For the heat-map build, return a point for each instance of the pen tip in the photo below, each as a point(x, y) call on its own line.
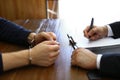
point(68, 36)
point(92, 18)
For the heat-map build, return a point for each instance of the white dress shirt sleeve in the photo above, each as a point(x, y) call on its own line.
point(110, 32)
point(98, 60)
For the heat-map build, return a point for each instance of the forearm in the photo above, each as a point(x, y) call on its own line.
point(15, 59)
point(13, 33)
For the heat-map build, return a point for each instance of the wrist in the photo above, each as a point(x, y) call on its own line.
point(105, 30)
point(26, 57)
point(29, 55)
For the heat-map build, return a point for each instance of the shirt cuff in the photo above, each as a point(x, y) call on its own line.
point(110, 32)
point(98, 60)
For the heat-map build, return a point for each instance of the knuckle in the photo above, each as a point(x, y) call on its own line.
point(50, 48)
point(50, 33)
point(57, 47)
point(50, 60)
point(93, 30)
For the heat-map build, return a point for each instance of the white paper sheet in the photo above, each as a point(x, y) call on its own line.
point(82, 41)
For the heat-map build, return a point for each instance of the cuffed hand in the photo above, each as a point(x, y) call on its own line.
point(84, 58)
point(96, 32)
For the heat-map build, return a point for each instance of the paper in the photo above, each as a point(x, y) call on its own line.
point(85, 43)
point(98, 43)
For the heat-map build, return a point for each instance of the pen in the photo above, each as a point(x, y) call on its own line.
point(72, 42)
point(91, 25)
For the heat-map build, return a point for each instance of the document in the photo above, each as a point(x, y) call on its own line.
point(104, 42)
point(86, 43)
point(75, 29)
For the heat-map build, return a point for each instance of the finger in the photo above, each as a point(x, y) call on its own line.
point(46, 35)
point(86, 32)
point(95, 37)
point(73, 62)
point(87, 28)
point(54, 47)
point(52, 59)
point(52, 35)
point(75, 53)
point(51, 42)
point(92, 32)
point(54, 54)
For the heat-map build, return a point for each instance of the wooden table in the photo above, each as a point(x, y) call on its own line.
point(61, 70)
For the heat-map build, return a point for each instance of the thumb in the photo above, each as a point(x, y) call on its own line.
point(51, 42)
point(47, 36)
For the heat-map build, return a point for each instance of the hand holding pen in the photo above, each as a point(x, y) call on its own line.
point(88, 29)
point(95, 32)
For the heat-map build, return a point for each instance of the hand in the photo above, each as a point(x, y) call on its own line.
point(45, 53)
point(96, 32)
point(34, 38)
point(44, 36)
point(84, 58)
